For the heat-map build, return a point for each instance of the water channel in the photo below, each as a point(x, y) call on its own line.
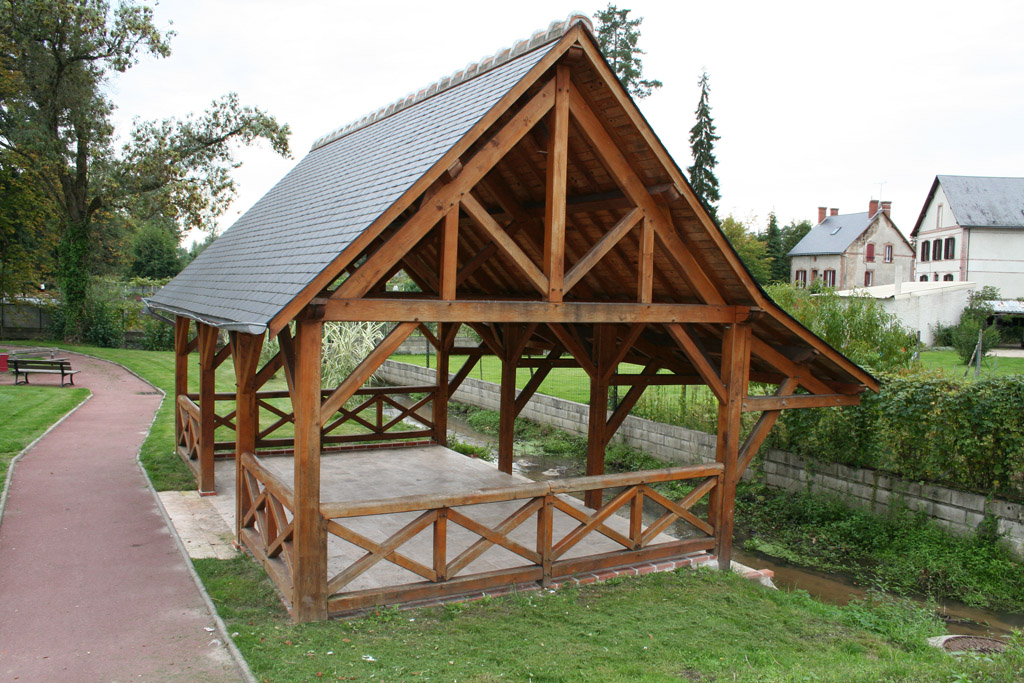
point(834, 588)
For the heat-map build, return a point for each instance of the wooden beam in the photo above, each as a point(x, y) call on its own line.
point(801, 373)
point(700, 361)
point(245, 351)
point(439, 405)
point(481, 217)
point(449, 254)
point(624, 348)
point(645, 274)
point(538, 378)
point(735, 372)
point(470, 311)
point(572, 345)
point(284, 340)
point(309, 555)
point(603, 246)
point(597, 421)
point(757, 403)
point(362, 372)
point(761, 429)
point(448, 197)
point(555, 187)
point(207, 406)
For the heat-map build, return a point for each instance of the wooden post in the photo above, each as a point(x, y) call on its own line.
point(555, 187)
point(597, 424)
point(309, 571)
point(507, 406)
point(207, 409)
point(735, 376)
point(245, 351)
point(181, 347)
point(441, 394)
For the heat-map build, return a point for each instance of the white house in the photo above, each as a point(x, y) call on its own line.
point(853, 250)
point(972, 228)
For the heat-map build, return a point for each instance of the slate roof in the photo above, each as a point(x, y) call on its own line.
point(978, 202)
point(349, 178)
point(833, 235)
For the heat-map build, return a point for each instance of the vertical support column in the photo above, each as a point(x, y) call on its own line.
point(207, 408)
point(507, 406)
point(309, 571)
point(735, 376)
point(555, 186)
point(439, 413)
point(181, 327)
point(645, 275)
point(597, 423)
point(245, 351)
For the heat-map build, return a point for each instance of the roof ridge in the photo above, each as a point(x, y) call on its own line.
point(555, 30)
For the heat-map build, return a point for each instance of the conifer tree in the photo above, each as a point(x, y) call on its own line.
point(618, 36)
point(773, 250)
point(702, 147)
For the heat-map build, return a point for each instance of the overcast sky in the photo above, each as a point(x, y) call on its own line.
point(817, 103)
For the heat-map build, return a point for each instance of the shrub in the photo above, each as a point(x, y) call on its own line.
point(923, 427)
point(965, 338)
point(157, 335)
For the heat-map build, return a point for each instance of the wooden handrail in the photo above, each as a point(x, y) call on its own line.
point(381, 506)
point(188, 405)
point(365, 391)
point(271, 481)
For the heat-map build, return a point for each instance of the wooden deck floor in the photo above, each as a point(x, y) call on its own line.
point(386, 473)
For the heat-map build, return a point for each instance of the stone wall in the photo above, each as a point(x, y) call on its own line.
point(958, 511)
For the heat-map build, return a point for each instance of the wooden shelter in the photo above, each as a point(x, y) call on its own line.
point(530, 201)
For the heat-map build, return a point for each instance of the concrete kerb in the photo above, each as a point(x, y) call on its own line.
point(26, 449)
point(222, 629)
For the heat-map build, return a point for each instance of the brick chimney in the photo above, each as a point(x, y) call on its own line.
point(834, 212)
point(872, 208)
point(886, 207)
point(822, 211)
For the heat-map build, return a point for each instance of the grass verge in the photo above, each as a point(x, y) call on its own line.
point(901, 551)
point(949, 363)
point(686, 625)
point(28, 412)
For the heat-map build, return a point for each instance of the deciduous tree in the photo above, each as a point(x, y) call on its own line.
point(56, 57)
point(750, 249)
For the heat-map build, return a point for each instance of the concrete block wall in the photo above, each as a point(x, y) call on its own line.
point(958, 511)
point(418, 344)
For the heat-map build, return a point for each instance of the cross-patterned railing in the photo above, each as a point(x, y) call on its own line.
point(379, 416)
point(189, 439)
point(267, 506)
point(542, 532)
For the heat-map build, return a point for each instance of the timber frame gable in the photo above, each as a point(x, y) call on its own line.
point(560, 231)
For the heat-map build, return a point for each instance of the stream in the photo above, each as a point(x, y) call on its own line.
point(834, 588)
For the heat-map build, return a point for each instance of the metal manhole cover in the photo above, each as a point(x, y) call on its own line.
point(147, 393)
point(973, 644)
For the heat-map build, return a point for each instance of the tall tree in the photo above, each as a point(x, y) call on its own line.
point(702, 147)
point(56, 58)
point(618, 36)
point(773, 250)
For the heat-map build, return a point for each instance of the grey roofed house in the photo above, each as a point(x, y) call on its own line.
point(979, 201)
point(345, 182)
point(833, 235)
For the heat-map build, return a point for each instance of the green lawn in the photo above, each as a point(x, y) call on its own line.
point(949, 362)
point(28, 411)
point(680, 626)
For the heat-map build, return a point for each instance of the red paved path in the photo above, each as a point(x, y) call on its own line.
point(92, 585)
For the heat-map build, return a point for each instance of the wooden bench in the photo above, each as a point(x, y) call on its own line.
point(53, 366)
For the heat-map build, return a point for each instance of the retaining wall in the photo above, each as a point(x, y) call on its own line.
point(958, 511)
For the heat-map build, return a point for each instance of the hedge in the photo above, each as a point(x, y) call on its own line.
point(966, 434)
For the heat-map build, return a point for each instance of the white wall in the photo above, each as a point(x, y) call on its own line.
point(996, 258)
point(921, 306)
